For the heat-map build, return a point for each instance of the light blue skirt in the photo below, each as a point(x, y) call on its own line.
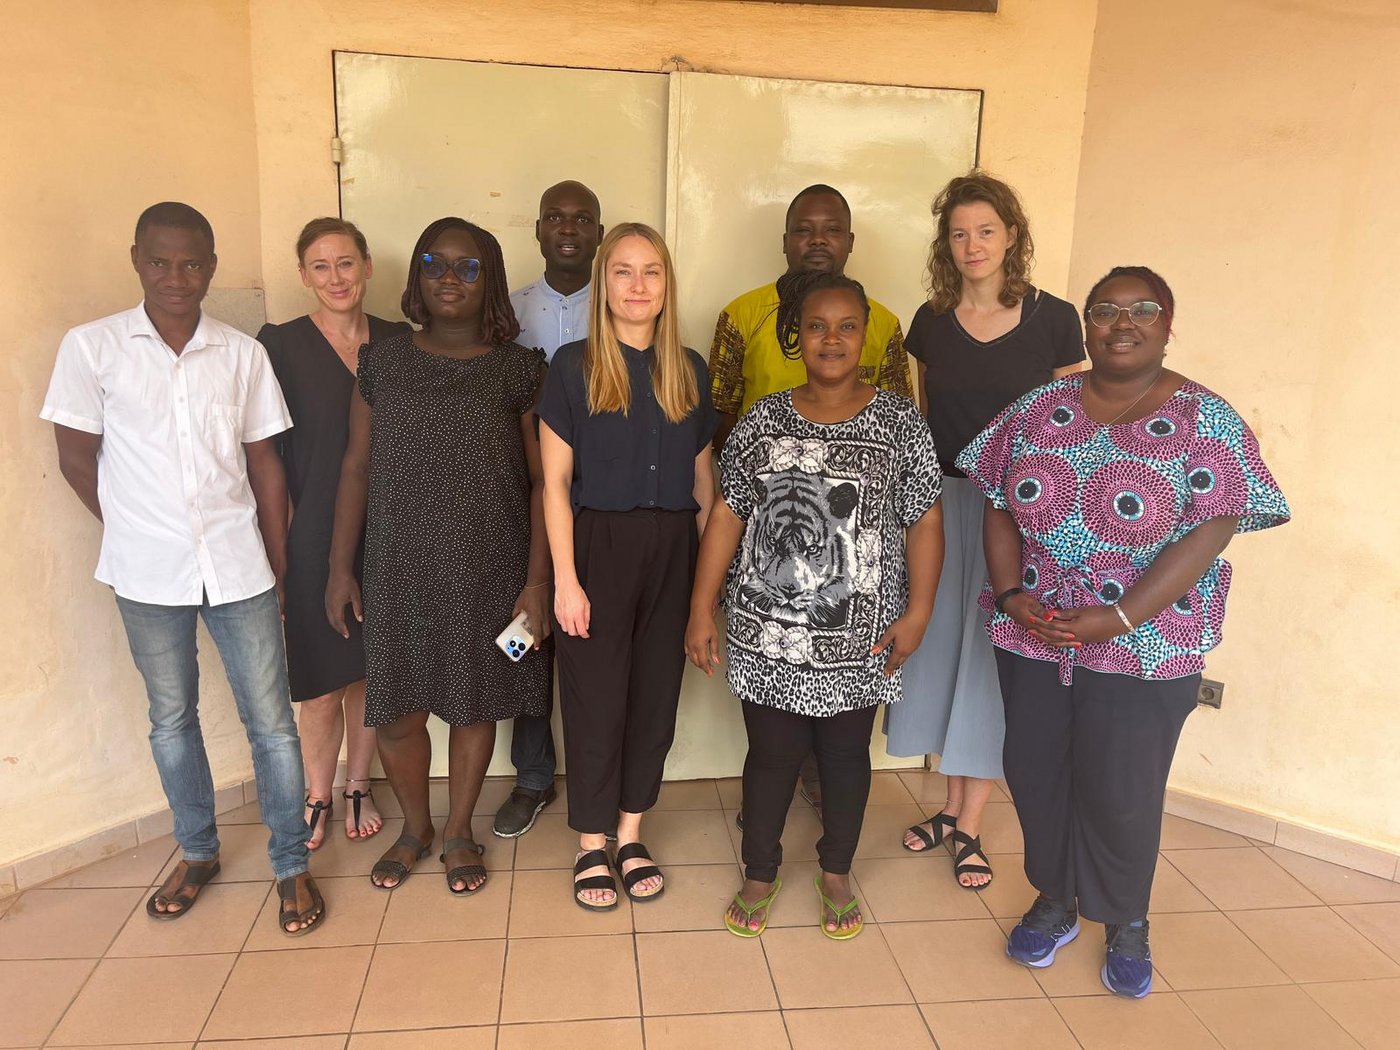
point(952, 698)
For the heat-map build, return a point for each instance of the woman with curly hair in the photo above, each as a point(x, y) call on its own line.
point(983, 339)
point(443, 459)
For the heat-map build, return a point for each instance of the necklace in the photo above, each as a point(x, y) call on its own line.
point(1134, 403)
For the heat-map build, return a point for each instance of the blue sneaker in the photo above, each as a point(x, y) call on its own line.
point(1042, 931)
point(1127, 970)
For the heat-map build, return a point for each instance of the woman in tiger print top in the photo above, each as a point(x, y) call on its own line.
point(831, 505)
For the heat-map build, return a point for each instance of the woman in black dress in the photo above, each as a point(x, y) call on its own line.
point(315, 358)
point(442, 471)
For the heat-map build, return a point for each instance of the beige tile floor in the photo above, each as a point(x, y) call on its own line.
point(1255, 947)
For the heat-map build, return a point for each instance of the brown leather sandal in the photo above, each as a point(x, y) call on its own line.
point(311, 916)
point(182, 888)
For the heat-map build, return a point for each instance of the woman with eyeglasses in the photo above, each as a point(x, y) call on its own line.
point(984, 338)
point(625, 428)
point(442, 470)
point(315, 358)
point(1110, 496)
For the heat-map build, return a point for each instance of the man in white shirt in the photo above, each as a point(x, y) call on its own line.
point(164, 420)
point(552, 311)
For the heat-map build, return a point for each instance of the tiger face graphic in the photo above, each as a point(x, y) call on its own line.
point(802, 555)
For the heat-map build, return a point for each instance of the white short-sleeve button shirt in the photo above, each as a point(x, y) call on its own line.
point(549, 319)
point(179, 518)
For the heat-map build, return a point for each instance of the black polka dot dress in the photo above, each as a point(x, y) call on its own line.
point(447, 534)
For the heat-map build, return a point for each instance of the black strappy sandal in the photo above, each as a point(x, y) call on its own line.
point(320, 809)
point(397, 869)
point(287, 894)
point(971, 847)
point(593, 858)
point(636, 851)
point(355, 798)
point(464, 873)
point(943, 826)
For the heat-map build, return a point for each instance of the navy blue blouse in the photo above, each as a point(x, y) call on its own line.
point(622, 462)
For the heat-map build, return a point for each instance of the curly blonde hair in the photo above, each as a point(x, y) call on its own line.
point(944, 280)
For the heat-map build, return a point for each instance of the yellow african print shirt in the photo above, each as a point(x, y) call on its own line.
point(746, 362)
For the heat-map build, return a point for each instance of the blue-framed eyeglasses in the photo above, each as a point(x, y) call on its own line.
point(435, 266)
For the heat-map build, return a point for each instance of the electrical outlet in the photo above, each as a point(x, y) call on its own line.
point(1210, 693)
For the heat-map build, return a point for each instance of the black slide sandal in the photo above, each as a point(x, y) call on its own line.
point(636, 851)
point(593, 858)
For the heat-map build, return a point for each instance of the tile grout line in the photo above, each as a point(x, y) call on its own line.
point(97, 963)
point(1065, 1021)
point(1364, 936)
point(773, 981)
point(373, 954)
point(1201, 1020)
point(1323, 1007)
point(505, 948)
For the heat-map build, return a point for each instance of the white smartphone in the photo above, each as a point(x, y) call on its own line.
point(516, 640)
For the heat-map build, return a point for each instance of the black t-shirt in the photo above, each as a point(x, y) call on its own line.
point(622, 462)
point(968, 382)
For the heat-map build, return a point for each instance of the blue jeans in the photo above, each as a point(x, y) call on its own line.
point(248, 635)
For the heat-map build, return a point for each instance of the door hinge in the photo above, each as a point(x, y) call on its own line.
point(337, 150)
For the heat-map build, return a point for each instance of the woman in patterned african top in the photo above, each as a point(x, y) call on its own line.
point(1110, 497)
point(831, 502)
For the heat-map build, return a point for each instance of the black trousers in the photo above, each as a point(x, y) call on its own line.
point(778, 742)
point(1087, 766)
point(619, 687)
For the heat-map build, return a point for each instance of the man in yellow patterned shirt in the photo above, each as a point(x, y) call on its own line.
point(745, 360)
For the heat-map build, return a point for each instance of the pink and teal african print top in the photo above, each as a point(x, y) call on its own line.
point(1096, 504)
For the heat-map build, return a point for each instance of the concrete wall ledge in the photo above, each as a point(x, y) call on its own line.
point(1271, 831)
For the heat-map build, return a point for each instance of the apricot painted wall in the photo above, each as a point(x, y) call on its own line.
point(107, 108)
point(1248, 152)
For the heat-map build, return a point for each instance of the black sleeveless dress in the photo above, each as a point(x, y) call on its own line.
point(317, 387)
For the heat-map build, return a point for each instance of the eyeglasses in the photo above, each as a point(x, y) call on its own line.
point(435, 266)
point(1143, 314)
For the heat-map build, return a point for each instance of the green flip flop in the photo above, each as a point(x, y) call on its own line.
point(748, 910)
point(837, 934)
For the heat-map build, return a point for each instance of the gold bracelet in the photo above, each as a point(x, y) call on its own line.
point(1123, 616)
point(532, 586)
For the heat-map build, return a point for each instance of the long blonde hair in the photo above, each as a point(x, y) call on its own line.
point(604, 367)
point(944, 280)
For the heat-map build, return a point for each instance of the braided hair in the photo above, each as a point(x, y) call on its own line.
point(1161, 291)
point(793, 290)
point(498, 321)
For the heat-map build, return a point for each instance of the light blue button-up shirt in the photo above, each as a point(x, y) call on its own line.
point(549, 319)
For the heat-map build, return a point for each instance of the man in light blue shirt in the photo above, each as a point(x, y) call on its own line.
point(554, 310)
